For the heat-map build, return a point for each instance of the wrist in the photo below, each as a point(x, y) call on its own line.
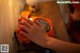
point(49, 42)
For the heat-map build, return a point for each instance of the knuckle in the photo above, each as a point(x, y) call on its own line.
point(24, 22)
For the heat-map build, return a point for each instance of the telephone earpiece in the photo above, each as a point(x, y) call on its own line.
point(47, 23)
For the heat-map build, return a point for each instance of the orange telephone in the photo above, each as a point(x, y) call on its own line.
point(43, 21)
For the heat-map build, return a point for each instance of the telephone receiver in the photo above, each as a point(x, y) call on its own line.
point(46, 22)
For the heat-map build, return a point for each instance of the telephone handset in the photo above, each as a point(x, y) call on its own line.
point(43, 21)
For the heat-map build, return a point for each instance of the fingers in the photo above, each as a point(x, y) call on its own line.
point(37, 22)
point(24, 28)
point(20, 18)
point(24, 34)
point(26, 24)
point(33, 23)
point(29, 21)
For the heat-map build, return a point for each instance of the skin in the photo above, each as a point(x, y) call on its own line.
point(36, 33)
point(29, 28)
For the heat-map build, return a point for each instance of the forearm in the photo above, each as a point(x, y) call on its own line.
point(62, 46)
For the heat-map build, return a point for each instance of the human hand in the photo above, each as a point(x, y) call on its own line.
point(33, 31)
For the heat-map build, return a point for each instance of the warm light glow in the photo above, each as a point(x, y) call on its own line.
point(30, 19)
